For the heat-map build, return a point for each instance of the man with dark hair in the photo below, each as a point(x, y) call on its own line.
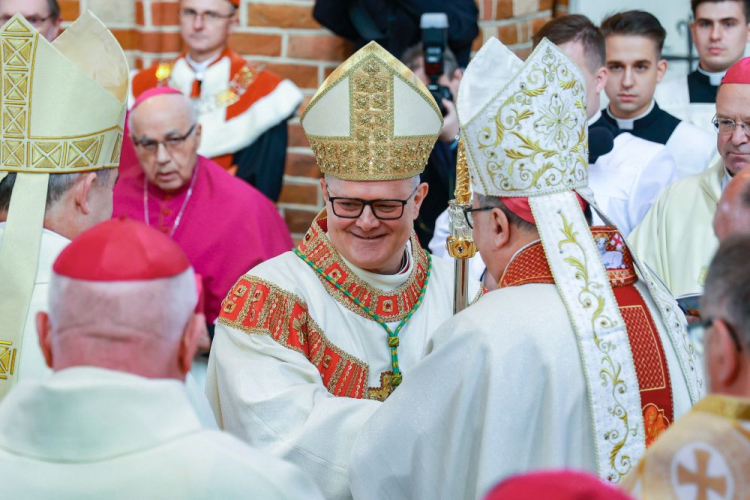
point(708, 450)
point(627, 179)
point(634, 41)
point(720, 29)
point(243, 108)
point(43, 15)
point(440, 172)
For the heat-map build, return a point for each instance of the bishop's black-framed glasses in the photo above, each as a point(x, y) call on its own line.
point(697, 332)
point(469, 211)
point(170, 143)
point(352, 208)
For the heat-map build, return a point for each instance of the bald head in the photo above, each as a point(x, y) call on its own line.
point(733, 211)
point(166, 136)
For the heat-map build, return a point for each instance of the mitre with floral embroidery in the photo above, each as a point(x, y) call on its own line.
point(63, 110)
point(372, 119)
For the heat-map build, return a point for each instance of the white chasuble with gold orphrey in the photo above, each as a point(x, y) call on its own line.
point(297, 367)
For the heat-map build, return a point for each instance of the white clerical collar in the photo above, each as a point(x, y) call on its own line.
point(385, 282)
point(595, 118)
point(629, 123)
point(200, 67)
point(714, 78)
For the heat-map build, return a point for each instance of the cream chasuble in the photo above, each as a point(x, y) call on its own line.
point(676, 238)
point(706, 455)
point(87, 433)
point(297, 367)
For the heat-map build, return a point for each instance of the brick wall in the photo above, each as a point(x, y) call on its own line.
point(283, 35)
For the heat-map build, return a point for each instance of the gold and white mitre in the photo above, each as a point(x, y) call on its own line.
point(63, 110)
point(524, 126)
point(372, 119)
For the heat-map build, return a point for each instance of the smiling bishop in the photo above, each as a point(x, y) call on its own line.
point(309, 344)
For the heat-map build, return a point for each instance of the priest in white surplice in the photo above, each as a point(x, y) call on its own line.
point(721, 30)
point(115, 419)
point(309, 343)
point(578, 360)
point(676, 238)
point(635, 40)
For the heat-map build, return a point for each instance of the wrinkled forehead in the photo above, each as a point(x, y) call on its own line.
point(26, 8)
point(372, 190)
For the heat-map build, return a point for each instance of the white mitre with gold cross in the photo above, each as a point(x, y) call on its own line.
point(524, 127)
point(63, 110)
point(372, 119)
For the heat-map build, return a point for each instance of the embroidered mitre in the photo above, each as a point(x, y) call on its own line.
point(372, 119)
point(524, 124)
point(63, 110)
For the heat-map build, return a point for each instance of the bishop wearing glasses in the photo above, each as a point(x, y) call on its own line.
point(676, 238)
point(243, 108)
point(309, 344)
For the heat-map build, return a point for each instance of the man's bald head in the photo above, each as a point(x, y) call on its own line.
point(733, 211)
point(166, 136)
point(122, 297)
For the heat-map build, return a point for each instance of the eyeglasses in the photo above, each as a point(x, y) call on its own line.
point(469, 211)
point(352, 208)
point(697, 332)
point(35, 21)
point(726, 126)
point(170, 143)
point(208, 16)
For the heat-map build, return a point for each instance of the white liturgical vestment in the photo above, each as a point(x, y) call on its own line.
point(90, 433)
point(30, 364)
point(676, 239)
point(501, 391)
point(296, 367)
point(627, 180)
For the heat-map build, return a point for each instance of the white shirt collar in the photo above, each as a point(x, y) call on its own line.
point(714, 78)
point(595, 118)
point(200, 67)
point(629, 123)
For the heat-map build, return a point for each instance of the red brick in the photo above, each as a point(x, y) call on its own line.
point(546, 4)
point(318, 47)
point(69, 10)
point(128, 39)
point(139, 16)
point(538, 23)
point(303, 106)
point(297, 137)
point(160, 42)
point(327, 71)
point(478, 41)
point(165, 13)
point(504, 9)
point(281, 16)
point(298, 221)
point(302, 165)
point(256, 44)
point(301, 194)
point(305, 77)
point(485, 6)
point(508, 34)
point(523, 53)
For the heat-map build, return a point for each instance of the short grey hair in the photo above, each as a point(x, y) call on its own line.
point(416, 180)
point(58, 185)
point(727, 291)
point(497, 202)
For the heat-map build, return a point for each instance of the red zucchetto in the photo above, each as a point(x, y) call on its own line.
point(153, 92)
point(561, 485)
point(739, 72)
point(121, 250)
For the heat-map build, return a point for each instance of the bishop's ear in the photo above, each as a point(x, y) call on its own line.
point(82, 192)
point(44, 330)
point(724, 358)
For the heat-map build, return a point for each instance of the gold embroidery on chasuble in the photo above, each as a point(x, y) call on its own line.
point(390, 306)
point(530, 266)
